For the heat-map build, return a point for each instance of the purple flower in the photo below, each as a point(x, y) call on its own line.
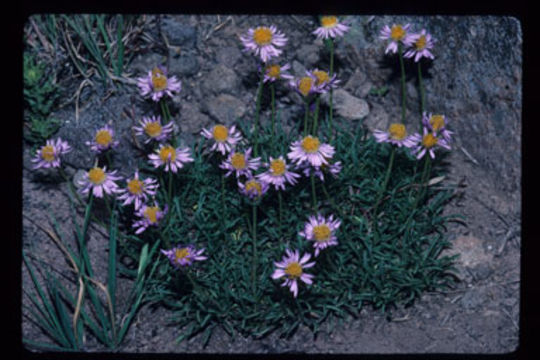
point(397, 135)
point(330, 27)
point(148, 216)
point(278, 173)
point(224, 139)
point(428, 144)
point(264, 41)
point(253, 188)
point(48, 156)
point(420, 46)
point(273, 72)
point(152, 128)
point(99, 181)
point(292, 268)
point(183, 256)
point(156, 84)
point(396, 34)
point(333, 168)
point(323, 81)
point(172, 158)
point(137, 190)
point(103, 140)
point(437, 124)
point(240, 163)
point(306, 85)
point(321, 230)
point(310, 150)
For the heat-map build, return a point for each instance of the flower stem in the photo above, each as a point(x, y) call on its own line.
point(254, 238)
point(385, 183)
point(280, 201)
point(257, 115)
point(273, 94)
point(403, 94)
point(169, 193)
point(313, 193)
point(425, 177)
point(306, 115)
point(331, 108)
point(316, 116)
point(422, 91)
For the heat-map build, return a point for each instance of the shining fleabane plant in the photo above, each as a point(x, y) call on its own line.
point(48, 156)
point(156, 84)
point(264, 41)
point(292, 268)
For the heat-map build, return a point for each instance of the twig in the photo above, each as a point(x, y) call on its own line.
point(492, 210)
point(510, 234)
point(468, 155)
point(83, 83)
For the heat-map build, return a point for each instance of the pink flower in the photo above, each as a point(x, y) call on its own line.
point(397, 135)
point(334, 168)
point(48, 156)
point(437, 124)
point(137, 190)
point(396, 34)
point(264, 41)
point(180, 256)
point(310, 150)
point(156, 84)
point(253, 188)
point(321, 230)
point(420, 46)
point(148, 216)
point(330, 27)
point(428, 144)
point(103, 140)
point(173, 159)
point(240, 163)
point(151, 128)
point(273, 72)
point(224, 139)
point(292, 268)
point(323, 81)
point(99, 181)
point(278, 173)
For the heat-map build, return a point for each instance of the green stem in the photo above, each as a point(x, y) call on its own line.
point(169, 192)
point(403, 94)
point(331, 108)
point(280, 201)
point(385, 183)
point(164, 112)
point(273, 94)
point(257, 115)
point(254, 238)
point(422, 91)
point(313, 193)
point(306, 115)
point(71, 187)
point(425, 177)
point(316, 116)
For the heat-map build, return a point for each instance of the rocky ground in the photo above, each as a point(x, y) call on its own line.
point(475, 81)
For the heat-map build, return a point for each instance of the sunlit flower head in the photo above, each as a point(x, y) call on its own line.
point(152, 129)
point(48, 156)
point(420, 46)
point(305, 85)
point(103, 140)
point(156, 84)
point(428, 143)
point(253, 188)
point(332, 168)
point(437, 123)
point(396, 34)
point(264, 41)
point(397, 135)
point(273, 72)
point(173, 159)
point(310, 150)
point(182, 256)
point(148, 216)
point(324, 82)
point(224, 139)
point(137, 190)
point(330, 27)
point(292, 268)
point(278, 173)
point(99, 181)
point(321, 231)
point(240, 163)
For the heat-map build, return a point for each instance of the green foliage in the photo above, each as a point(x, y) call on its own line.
point(40, 95)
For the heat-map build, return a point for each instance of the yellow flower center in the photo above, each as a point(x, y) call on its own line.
point(328, 21)
point(305, 85)
point(420, 44)
point(436, 122)
point(397, 33)
point(135, 186)
point(397, 131)
point(293, 270)
point(167, 153)
point(152, 129)
point(238, 161)
point(103, 137)
point(322, 77)
point(151, 213)
point(310, 144)
point(321, 232)
point(97, 175)
point(429, 141)
point(273, 71)
point(252, 184)
point(47, 153)
point(277, 167)
point(220, 133)
point(159, 80)
point(180, 254)
point(262, 36)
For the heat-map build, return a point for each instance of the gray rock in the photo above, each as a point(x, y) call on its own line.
point(141, 64)
point(298, 69)
point(377, 118)
point(473, 298)
point(222, 79)
point(358, 84)
point(225, 108)
point(184, 65)
point(192, 120)
point(228, 55)
point(179, 34)
point(347, 106)
point(308, 55)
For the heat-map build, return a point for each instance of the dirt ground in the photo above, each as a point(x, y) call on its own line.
point(480, 315)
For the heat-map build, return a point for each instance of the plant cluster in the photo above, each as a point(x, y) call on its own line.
point(261, 230)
